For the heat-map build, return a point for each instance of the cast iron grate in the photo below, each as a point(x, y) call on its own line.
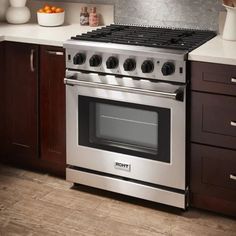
point(157, 37)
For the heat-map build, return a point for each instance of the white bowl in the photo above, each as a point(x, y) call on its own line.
point(51, 19)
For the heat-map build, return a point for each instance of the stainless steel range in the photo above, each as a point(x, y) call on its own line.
point(126, 110)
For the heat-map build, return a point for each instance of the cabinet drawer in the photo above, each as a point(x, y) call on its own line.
point(213, 172)
point(215, 78)
point(213, 119)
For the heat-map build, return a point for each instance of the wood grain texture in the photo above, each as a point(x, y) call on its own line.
point(52, 104)
point(37, 204)
point(213, 78)
point(211, 119)
point(21, 90)
point(213, 137)
point(211, 185)
point(23, 114)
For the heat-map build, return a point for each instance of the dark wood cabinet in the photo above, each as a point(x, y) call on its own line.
point(52, 104)
point(213, 120)
point(213, 137)
point(213, 173)
point(33, 101)
point(213, 78)
point(21, 94)
point(2, 99)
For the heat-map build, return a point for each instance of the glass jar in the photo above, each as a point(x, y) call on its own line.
point(93, 17)
point(84, 16)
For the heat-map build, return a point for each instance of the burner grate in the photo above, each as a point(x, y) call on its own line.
point(181, 39)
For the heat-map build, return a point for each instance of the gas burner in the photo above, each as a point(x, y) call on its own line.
point(156, 37)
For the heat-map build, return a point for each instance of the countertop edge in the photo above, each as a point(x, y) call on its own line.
point(209, 59)
point(216, 50)
point(33, 41)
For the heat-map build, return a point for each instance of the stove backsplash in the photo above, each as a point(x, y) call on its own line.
point(200, 14)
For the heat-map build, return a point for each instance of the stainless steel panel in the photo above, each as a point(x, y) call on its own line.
point(123, 84)
point(127, 188)
point(128, 49)
point(122, 52)
point(171, 175)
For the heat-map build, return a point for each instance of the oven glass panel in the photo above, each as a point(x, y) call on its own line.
point(126, 128)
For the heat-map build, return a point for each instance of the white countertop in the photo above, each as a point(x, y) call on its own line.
point(33, 33)
point(216, 50)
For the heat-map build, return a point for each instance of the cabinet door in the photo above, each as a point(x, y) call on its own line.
point(213, 178)
point(213, 78)
point(21, 99)
point(213, 120)
point(52, 104)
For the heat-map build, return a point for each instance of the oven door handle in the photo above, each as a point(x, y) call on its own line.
point(177, 95)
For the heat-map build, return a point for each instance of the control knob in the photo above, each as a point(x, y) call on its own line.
point(147, 66)
point(95, 61)
point(129, 64)
point(168, 68)
point(112, 63)
point(79, 59)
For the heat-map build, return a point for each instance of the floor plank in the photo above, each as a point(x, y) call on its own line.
point(38, 204)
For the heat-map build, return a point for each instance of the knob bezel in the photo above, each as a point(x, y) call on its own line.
point(168, 68)
point(97, 60)
point(146, 63)
point(130, 63)
point(114, 60)
point(82, 56)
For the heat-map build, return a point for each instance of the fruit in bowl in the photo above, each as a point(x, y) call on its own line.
point(50, 16)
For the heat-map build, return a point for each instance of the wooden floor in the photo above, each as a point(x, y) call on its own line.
point(37, 204)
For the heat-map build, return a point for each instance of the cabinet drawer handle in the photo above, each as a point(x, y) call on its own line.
point(55, 53)
point(233, 177)
point(233, 80)
point(233, 123)
point(32, 60)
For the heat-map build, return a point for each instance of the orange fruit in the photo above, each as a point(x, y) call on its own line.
point(40, 10)
point(53, 8)
point(48, 11)
point(46, 8)
point(59, 10)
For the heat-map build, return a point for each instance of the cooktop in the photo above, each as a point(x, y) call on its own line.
point(156, 37)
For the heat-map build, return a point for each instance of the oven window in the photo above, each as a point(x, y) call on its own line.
point(126, 128)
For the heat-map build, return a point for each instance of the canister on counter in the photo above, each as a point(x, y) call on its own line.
point(84, 16)
point(93, 17)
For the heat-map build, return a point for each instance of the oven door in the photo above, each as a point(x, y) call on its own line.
point(126, 127)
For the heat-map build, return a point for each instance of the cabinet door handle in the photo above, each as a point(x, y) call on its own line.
point(233, 177)
point(55, 53)
point(233, 123)
point(32, 60)
point(233, 80)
